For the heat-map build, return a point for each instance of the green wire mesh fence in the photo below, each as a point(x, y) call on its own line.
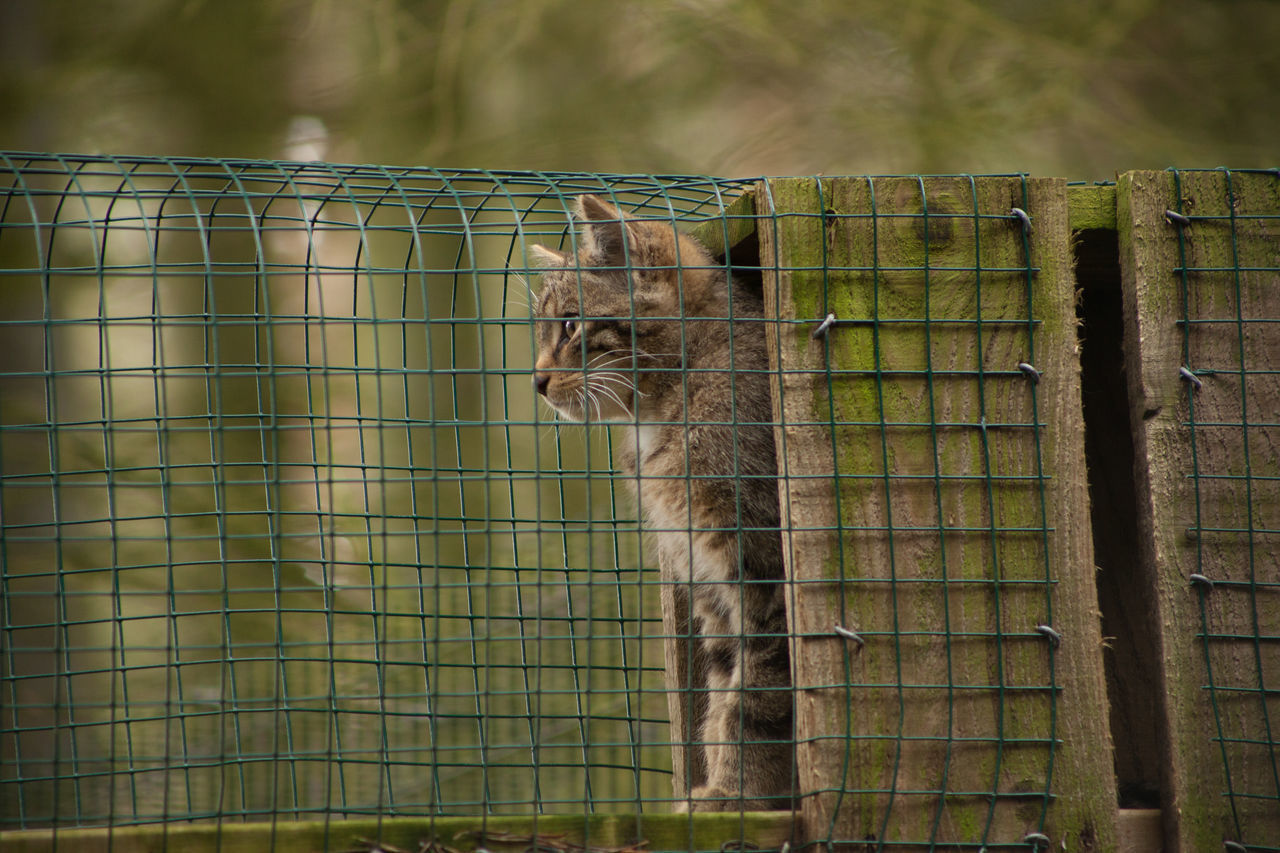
point(284, 531)
point(288, 533)
point(1227, 268)
point(922, 464)
point(1201, 260)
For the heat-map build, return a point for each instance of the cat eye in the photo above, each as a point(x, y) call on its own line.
point(570, 326)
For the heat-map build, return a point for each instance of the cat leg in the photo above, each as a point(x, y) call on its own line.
point(746, 736)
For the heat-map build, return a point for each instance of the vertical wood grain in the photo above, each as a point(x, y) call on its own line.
point(913, 455)
point(1208, 482)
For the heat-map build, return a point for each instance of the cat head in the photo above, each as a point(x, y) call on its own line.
point(608, 317)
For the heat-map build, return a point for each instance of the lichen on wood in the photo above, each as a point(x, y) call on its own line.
point(933, 494)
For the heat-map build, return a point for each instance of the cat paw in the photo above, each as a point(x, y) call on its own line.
point(707, 798)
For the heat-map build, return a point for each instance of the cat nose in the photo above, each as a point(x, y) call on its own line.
point(540, 382)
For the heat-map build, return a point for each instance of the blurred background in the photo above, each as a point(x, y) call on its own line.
point(726, 87)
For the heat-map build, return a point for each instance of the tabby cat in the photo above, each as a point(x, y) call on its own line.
point(639, 327)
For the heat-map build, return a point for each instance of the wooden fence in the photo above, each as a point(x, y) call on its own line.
point(936, 438)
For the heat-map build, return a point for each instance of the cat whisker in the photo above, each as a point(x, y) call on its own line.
point(597, 365)
point(551, 427)
point(524, 282)
point(595, 404)
point(629, 354)
point(621, 382)
point(611, 393)
point(550, 431)
point(603, 393)
point(520, 300)
point(525, 300)
point(603, 370)
point(596, 413)
point(614, 374)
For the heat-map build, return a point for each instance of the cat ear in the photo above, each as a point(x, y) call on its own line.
point(592, 208)
point(540, 257)
point(605, 232)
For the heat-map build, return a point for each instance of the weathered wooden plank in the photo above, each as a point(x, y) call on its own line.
point(1208, 453)
point(1088, 206)
point(1139, 831)
point(733, 233)
point(962, 525)
point(1091, 206)
point(505, 834)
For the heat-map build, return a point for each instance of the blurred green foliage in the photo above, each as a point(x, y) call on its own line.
point(729, 87)
point(282, 529)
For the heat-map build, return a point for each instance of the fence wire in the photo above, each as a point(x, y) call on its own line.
point(287, 533)
point(917, 437)
point(1228, 264)
point(284, 532)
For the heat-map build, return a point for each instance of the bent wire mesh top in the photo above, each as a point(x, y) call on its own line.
point(284, 531)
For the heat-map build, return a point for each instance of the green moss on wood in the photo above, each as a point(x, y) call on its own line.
point(882, 390)
point(505, 834)
point(722, 234)
point(1091, 207)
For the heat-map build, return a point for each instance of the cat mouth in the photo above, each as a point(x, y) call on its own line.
point(603, 398)
point(592, 410)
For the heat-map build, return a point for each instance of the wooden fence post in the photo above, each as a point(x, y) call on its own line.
point(1201, 298)
point(932, 451)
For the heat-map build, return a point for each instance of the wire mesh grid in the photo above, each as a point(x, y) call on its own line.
point(916, 436)
point(1228, 266)
point(284, 531)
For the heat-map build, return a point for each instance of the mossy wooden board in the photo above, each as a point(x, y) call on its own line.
point(735, 227)
point(1206, 297)
point(586, 834)
point(935, 497)
point(1091, 207)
